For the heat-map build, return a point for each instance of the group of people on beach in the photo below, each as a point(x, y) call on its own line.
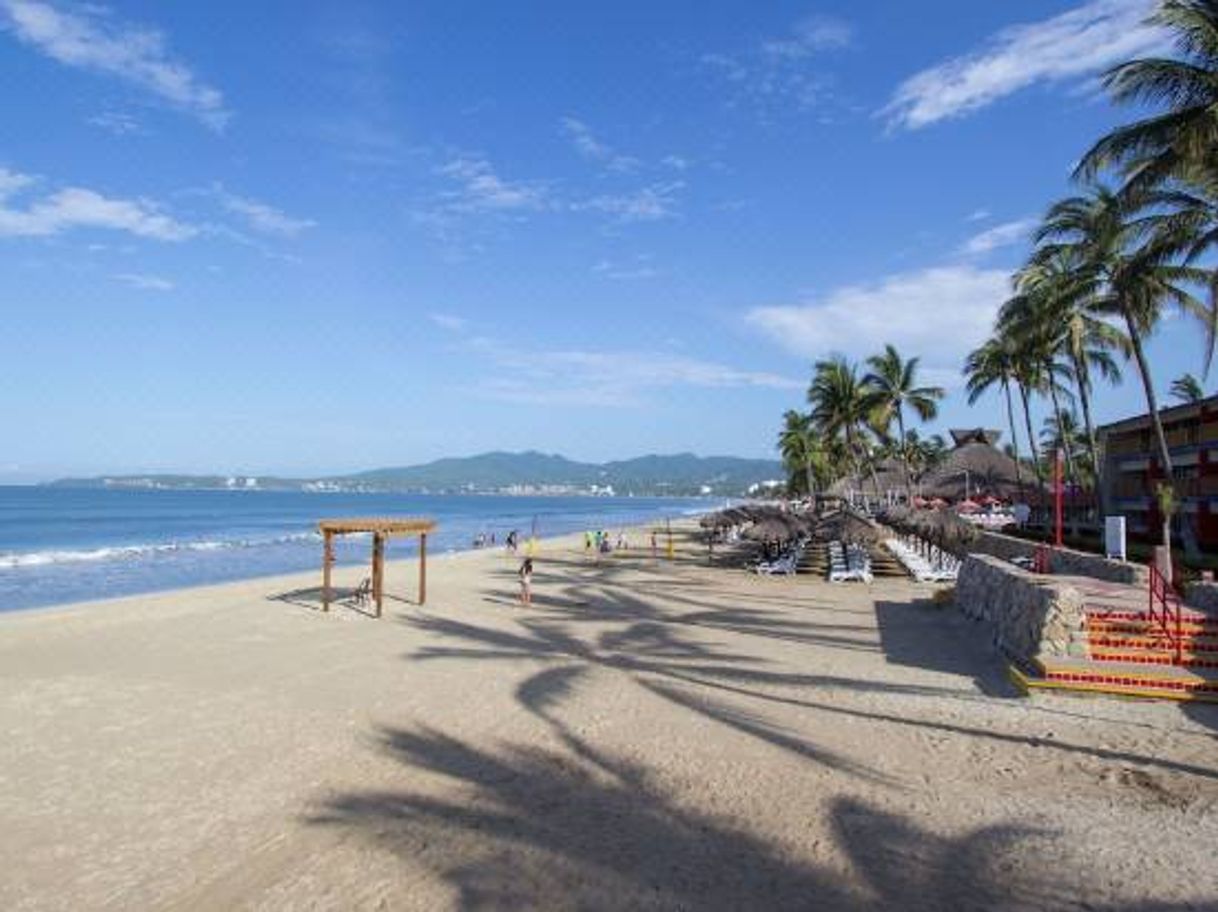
point(598, 542)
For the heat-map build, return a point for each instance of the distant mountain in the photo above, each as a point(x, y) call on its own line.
point(510, 473)
point(489, 470)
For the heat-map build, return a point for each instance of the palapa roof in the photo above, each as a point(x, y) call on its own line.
point(386, 525)
point(961, 436)
point(990, 470)
point(890, 474)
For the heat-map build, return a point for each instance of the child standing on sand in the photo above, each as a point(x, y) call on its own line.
point(526, 581)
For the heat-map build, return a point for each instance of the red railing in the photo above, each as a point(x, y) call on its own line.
point(1042, 559)
point(1163, 607)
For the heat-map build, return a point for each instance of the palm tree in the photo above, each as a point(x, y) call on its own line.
point(923, 454)
point(1187, 389)
point(1186, 87)
point(841, 405)
point(893, 382)
point(1065, 434)
point(1030, 320)
point(1058, 303)
point(1136, 273)
point(801, 450)
point(993, 364)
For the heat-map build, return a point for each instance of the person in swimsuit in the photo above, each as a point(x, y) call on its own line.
point(526, 581)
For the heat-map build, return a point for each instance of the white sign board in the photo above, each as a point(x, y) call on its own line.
point(1114, 537)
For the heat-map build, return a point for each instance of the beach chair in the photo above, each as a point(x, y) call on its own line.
point(363, 592)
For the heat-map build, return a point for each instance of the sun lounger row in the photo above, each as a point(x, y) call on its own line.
point(848, 562)
point(785, 565)
point(940, 567)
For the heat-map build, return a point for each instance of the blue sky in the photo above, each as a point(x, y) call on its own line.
point(306, 238)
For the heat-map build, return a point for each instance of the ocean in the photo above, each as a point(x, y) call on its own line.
point(60, 545)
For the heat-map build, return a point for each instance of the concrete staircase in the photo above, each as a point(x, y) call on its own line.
point(815, 560)
point(1121, 651)
point(884, 564)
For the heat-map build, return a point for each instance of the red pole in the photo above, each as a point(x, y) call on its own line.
point(1057, 495)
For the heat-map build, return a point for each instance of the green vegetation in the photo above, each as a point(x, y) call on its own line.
point(680, 474)
point(1111, 261)
point(849, 430)
point(1187, 389)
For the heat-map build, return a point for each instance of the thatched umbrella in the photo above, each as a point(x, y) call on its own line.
point(769, 529)
point(946, 529)
point(975, 466)
point(859, 530)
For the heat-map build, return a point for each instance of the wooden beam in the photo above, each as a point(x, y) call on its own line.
point(422, 568)
point(327, 558)
point(378, 570)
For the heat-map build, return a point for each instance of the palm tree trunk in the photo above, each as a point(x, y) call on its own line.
point(1061, 431)
point(1135, 341)
point(809, 476)
point(1084, 397)
point(1006, 388)
point(1036, 466)
point(905, 456)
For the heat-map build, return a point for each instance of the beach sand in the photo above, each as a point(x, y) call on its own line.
point(650, 734)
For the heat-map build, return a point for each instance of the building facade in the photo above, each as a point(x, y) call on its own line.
point(1133, 470)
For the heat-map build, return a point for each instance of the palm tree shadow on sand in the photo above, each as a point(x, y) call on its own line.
point(532, 828)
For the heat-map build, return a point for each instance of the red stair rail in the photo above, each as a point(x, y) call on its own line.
point(1041, 559)
point(1163, 607)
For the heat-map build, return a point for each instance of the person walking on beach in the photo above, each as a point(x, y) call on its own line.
point(526, 581)
point(654, 552)
point(587, 543)
point(511, 541)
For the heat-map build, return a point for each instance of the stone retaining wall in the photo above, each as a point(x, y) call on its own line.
point(1030, 614)
point(1064, 560)
point(1202, 596)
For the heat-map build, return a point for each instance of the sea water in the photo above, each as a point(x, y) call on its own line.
point(60, 545)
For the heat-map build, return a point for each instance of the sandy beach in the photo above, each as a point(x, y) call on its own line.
point(650, 734)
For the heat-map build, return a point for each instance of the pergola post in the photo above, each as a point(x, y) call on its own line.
point(327, 560)
point(422, 568)
point(378, 570)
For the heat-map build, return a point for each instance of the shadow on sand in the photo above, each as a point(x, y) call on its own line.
point(521, 826)
point(530, 828)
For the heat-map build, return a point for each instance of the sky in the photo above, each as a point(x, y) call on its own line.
point(306, 238)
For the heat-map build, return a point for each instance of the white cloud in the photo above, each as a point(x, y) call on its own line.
point(608, 378)
point(143, 282)
point(779, 75)
point(648, 204)
point(593, 149)
point(808, 36)
point(77, 207)
point(999, 236)
point(119, 123)
point(482, 189)
point(87, 38)
point(977, 215)
point(449, 322)
point(938, 313)
point(261, 217)
point(1074, 44)
point(625, 272)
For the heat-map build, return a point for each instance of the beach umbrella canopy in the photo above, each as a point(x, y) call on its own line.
point(769, 529)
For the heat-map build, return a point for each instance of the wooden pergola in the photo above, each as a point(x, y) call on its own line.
point(381, 529)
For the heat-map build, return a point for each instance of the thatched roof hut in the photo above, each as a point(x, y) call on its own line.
point(974, 467)
point(889, 477)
